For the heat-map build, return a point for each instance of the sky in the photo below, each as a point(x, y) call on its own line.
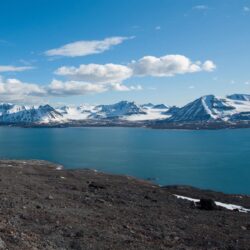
point(104, 51)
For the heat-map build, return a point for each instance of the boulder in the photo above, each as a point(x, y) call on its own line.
point(206, 204)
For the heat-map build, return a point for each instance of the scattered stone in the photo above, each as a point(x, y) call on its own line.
point(2, 244)
point(95, 185)
point(101, 211)
point(50, 197)
point(76, 245)
point(79, 234)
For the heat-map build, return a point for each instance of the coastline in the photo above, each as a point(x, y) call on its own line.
point(43, 207)
point(156, 124)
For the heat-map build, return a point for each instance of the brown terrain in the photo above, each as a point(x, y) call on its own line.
point(42, 207)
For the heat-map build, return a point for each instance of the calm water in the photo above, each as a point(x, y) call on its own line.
point(218, 160)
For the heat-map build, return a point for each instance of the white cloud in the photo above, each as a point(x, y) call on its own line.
point(168, 65)
point(200, 7)
point(14, 90)
point(97, 78)
point(96, 73)
point(60, 88)
point(208, 66)
point(121, 87)
point(71, 88)
point(246, 9)
point(84, 48)
point(157, 27)
point(10, 68)
point(164, 66)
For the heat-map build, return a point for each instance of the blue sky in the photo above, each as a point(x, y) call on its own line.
point(103, 51)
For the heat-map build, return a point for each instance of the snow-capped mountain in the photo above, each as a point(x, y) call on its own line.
point(160, 106)
point(211, 108)
point(7, 108)
point(233, 109)
point(147, 105)
point(239, 97)
point(123, 110)
point(117, 110)
point(10, 113)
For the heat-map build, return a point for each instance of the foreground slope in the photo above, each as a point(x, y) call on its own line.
point(45, 208)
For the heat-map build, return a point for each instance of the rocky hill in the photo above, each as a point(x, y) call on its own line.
point(45, 207)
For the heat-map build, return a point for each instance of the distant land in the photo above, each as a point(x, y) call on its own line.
point(206, 112)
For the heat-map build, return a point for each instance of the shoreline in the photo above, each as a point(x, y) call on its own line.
point(146, 179)
point(44, 207)
point(148, 124)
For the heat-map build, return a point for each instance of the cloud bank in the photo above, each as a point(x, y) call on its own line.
point(165, 66)
point(98, 78)
point(169, 65)
point(14, 90)
point(97, 73)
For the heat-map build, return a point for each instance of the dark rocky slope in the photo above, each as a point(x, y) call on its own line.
point(44, 208)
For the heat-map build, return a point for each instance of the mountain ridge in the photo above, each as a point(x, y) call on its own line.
point(208, 109)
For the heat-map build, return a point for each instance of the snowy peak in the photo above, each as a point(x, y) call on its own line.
point(239, 97)
point(160, 106)
point(154, 106)
point(206, 108)
point(22, 114)
point(147, 105)
point(232, 109)
point(7, 108)
point(120, 109)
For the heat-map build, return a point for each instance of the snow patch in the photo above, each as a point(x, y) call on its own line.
point(218, 203)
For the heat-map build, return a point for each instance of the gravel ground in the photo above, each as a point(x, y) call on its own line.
point(45, 208)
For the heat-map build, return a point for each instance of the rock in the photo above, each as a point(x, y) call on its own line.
point(79, 234)
point(50, 197)
point(95, 185)
point(2, 244)
point(207, 204)
point(76, 245)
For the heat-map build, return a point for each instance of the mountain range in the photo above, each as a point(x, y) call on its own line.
point(231, 111)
